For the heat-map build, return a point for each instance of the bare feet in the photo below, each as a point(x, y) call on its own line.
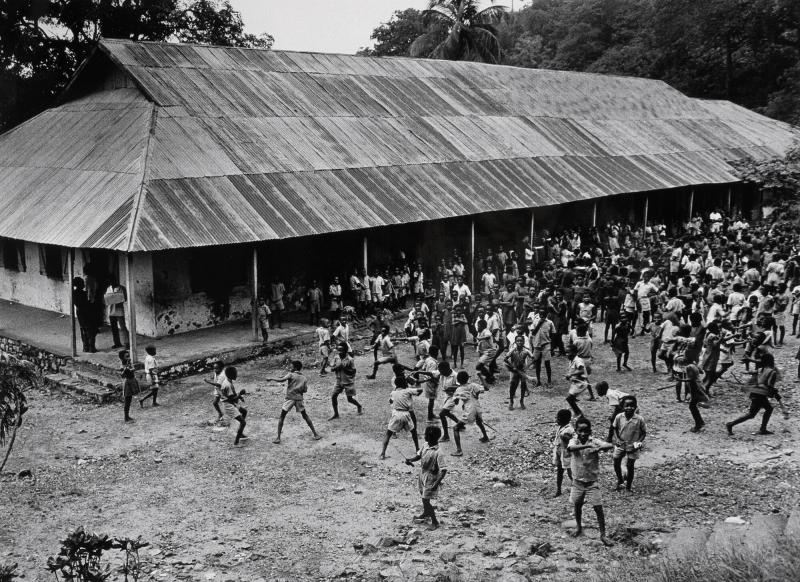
point(317, 437)
point(606, 542)
point(577, 533)
point(334, 417)
point(457, 454)
point(277, 441)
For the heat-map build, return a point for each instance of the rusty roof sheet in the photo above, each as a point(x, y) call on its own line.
point(290, 144)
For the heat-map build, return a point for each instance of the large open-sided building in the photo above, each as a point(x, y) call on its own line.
point(172, 166)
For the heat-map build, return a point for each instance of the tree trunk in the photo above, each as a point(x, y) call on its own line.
point(17, 424)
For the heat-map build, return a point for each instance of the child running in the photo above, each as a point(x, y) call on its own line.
point(561, 457)
point(585, 463)
point(432, 472)
point(448, 385)
point(402, 402)
point(486, 351)
point(629, 434)
point(384, 344)
point(296, 387)
point(578, 380)
point(467, 393)
point(231, 401)
point(215, 380)
point(761, 391)
point(345, 369)
point(324, 340)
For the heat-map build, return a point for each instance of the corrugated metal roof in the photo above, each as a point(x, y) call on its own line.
point(289, 144)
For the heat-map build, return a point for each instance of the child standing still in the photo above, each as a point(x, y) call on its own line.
point(629, 434)
point(130, 386)
point(296, 387)
point(151, 373)
point(432, 473)
point(585, 462)
point(264, 314)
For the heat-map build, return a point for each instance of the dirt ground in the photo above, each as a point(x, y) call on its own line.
point(306, 510)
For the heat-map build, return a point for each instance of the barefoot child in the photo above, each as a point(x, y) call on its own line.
point(619, 343)
point(561, 458)
point(432, 472)
point(517, 361)
point(614, 399)
point(467, 393)
point(130, 386)
point(216, 381)
point(296, 386)
point(264, 314)
point(151, 373)
point(761, 390)
point(232, 399)
point(384, 344)
point(577, 378)
point(402, 402)
point(324, 340)
point(486, 351)
point(345, 369)
point(585, 463)
point(448, 385)
point(629, 434)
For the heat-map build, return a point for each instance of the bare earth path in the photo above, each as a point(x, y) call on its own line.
point(306, 510)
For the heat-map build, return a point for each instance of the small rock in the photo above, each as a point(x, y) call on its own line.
point(448, 556)
point(735, 520)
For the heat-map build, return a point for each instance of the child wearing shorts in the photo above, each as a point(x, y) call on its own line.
point(585, 462)
point(629, 434)
point(296, 387)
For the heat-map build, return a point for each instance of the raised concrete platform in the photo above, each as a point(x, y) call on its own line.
point(45, 339)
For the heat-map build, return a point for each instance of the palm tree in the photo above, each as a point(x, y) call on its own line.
point(15, 378)
point(459, 30)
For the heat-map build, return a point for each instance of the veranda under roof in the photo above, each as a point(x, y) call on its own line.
point(161, 146)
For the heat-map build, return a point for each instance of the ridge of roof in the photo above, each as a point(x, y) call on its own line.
point(125, 41)
point(139, 196)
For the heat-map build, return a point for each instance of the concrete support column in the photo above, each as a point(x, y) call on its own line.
point(72, 301)
point(730, 207)
point(366, 251)
point(255, 294)
point(646, 210)
point(130, 284)
point(472, 255)
point(691, 204)
point(594, 214)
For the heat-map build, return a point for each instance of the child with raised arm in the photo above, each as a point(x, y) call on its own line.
point(217, 375)
point(345, 370)
point(561, 457)
point(232, 400)
point(448, 385)
point(383, 344)
point(517, 360)
point(467, 394)
point(629, 434)
point(585, 462)
point(296, 387)
point(402, 402)
point(432, 472)
point(761, 390)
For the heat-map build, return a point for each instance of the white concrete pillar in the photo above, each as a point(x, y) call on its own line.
point(646, 210)
point(130, 285)
point(594, 214)
point(71, 260)
point(255, 294)
point(472, 255)
point(366, 250)
point(691, 204)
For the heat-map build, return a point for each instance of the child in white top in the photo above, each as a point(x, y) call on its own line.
point(151, 373)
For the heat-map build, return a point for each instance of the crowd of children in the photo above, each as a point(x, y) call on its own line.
point(722, 289)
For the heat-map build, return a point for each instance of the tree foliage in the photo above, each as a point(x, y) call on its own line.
point(15, 379)
point(776, 176)
point(459, 30)
point(43, 41)
point(747, 51)
point(394, 38)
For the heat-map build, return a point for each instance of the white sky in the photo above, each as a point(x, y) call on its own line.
point(330, 26)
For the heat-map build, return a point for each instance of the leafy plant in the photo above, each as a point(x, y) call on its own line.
point(8, 572)
point(15, 378)
point(80, 557)
point(780, 176)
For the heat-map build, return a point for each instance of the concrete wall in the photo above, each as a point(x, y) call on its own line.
point(179, 309)
point(30, 287)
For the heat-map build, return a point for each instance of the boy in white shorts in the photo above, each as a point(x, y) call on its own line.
point(467, 394)
point(578, 379)
point(402, 402)
point(296, 386)
point(629, 434)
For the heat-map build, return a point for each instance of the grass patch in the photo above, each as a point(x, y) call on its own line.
point(777, 563)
